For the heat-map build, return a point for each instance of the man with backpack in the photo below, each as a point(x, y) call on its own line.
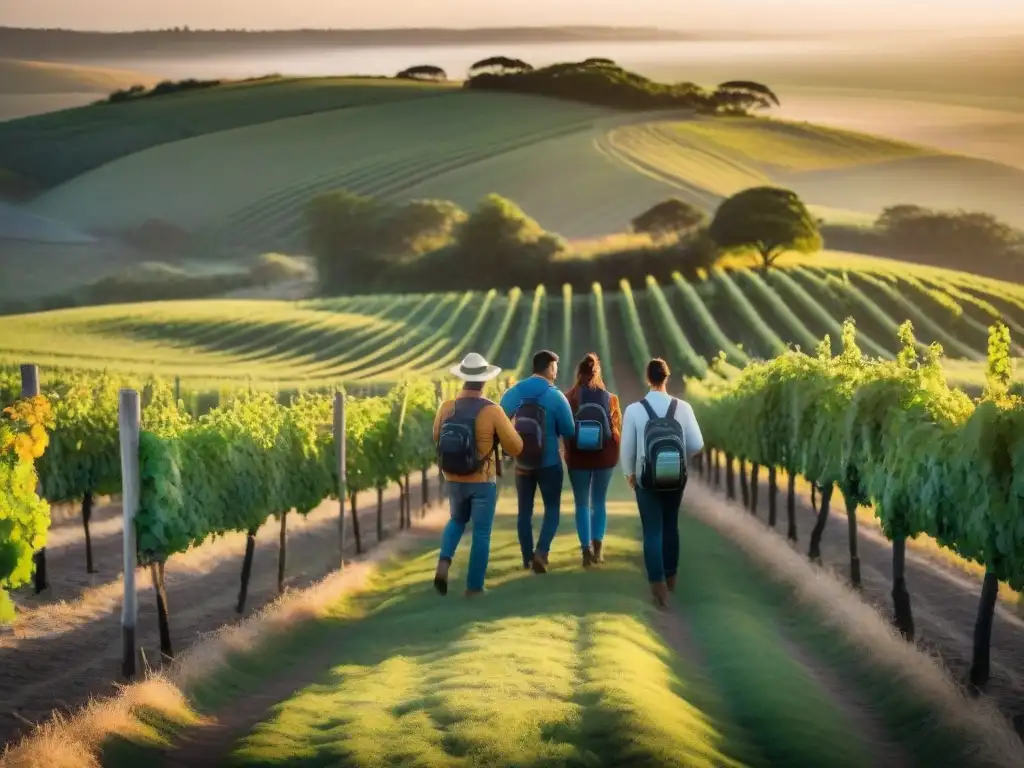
point(659, 436)
point(541, 416)
point(467, 431)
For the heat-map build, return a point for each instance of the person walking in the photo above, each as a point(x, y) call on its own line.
point(467, 431)
point(592, 454)
point(659, 436)
point(541, 415)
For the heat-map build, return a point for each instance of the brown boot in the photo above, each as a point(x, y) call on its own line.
point(540, 563)
point(588, 558)
point(660, 594)
point(598, 547)
point(441, 576)
point(670, 582)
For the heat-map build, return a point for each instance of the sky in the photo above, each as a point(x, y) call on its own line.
point(740, 15)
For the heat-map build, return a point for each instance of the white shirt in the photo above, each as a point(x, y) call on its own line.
point(631, 449)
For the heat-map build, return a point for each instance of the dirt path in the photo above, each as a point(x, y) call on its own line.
point(945, 603)
point(61, 654)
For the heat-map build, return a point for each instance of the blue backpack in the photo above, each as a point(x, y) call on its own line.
point(592, 419)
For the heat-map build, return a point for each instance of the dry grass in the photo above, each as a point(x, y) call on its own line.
point(75, 742)
point(864, 626)
point(66, 616)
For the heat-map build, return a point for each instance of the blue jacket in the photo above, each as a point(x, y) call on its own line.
point(559, 422)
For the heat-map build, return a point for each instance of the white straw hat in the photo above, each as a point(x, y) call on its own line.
point(474, 368)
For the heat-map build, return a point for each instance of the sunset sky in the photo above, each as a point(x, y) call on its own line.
point(803, 15)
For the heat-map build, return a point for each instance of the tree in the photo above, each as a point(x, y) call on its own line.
point(769, 219)
point(741, 96)
point(423, 72)
point(500, 238)
point(669, 217)
point(499, 65)
point(960, 234)
point(597, 61)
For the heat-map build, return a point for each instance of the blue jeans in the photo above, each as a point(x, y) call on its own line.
point(590, 489)
point(474, 502)
point(659, 516)
point(549, 480)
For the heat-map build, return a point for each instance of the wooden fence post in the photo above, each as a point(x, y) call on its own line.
point(129, 417)
point(339, 455)
point(30, 388)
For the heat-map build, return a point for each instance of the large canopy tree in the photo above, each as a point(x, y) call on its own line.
point(768, 219)
point(499, 65)
point(743, 96)
point(669, 217)
point(423, 72)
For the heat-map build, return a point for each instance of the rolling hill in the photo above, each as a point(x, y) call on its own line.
point(568, 165)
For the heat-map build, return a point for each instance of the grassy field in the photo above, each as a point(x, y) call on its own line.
point(53, 148)
point(838, 172)
point(380, 339)
point(740, 673)
point(378, 144)
point(581, 171)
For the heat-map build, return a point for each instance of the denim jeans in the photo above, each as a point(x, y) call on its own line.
point(468, 502)
point(590, 490)
point(659, 516)
point(549, 480)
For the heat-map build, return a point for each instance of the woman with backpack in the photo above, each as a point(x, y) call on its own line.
point(659, 436)
point(591, 454)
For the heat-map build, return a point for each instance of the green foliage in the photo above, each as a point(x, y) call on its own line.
point(526, 346)
point(635, 338)
point(599, 329)
point(423, 72)
point(742, 96)
point(499, 65)
point(24, 516)
point(254, 458)
point(890, 433)
point(512, 243)
point(355, 238)
point(768, 219)
point(160, 89)
point(959, 234)
point(693, 364)
point(669, 217)
point(597, 81)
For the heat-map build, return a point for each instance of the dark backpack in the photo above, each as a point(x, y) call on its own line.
point(457, 453)
point(530, 421)
point(592, 419)
point(664, 464)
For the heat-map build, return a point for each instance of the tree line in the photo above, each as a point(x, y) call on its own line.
point(603, 82)
point(361, 244)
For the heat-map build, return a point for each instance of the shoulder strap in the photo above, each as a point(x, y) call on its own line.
point(647, 407)
point(672, 408)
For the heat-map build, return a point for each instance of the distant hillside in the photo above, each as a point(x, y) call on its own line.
point(42, 77)
point(70, 44)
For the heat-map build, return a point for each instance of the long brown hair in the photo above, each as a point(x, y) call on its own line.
point(588, 372)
